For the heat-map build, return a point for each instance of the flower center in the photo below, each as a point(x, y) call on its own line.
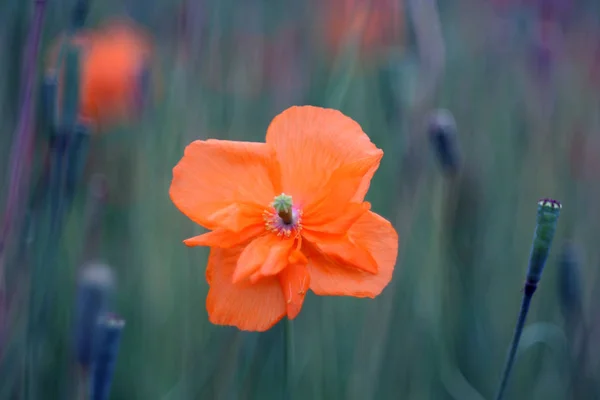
point(283, 218)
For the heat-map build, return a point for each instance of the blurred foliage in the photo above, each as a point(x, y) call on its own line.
point(442, 327)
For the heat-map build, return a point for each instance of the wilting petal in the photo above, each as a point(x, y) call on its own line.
point(250, 307)
point(311, 143)
point(225, 239)
point(374, 235)
point(295, 281)
point(218, 174)
point(266, 255)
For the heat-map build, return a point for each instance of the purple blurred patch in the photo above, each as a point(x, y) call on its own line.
point(542, 61)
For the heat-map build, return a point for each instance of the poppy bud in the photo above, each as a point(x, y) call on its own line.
point(110, 327)
point(444, 139)
point(94, 291)
point(547, 218)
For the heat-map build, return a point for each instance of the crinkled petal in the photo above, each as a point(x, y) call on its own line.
point(311, 143)
point(279, 258)
point(338, 192)
point(295, 281)
point(237, 217)
point(330, 275)
point(345, 251)
point(224, 238)
point(314, 228)
point(250, 307)
point(264, 256)
point(214, 175)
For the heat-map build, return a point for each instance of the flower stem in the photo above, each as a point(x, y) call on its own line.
point(528, 291)
point(547, 218)
point(288, 353)
point(110, 329)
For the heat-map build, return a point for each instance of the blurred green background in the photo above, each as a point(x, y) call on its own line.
point(523, 87)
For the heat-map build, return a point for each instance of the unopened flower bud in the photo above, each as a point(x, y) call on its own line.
point(547, 219)
point(95, 287)
point(444, 139)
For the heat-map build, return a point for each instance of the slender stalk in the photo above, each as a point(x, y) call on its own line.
point(528, 291)
point(547, 219)
point(67, 153)
point(110, 329)
point(288, 354)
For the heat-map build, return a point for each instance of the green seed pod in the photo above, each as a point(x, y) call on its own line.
point(547, 218)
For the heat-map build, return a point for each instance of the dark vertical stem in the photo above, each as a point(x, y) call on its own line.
point(109, 339)
point(528, 291)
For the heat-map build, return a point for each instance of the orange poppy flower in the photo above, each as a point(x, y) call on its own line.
point(286, 216)
point(113, 60)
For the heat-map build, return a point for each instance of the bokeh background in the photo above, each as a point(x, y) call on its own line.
point(522, 80)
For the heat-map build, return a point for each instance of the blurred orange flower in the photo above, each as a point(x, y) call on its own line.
point(377, 24)
point(286, 216)
point(113, 61)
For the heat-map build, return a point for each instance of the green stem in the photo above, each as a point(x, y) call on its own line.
point(527, 296)
point(288, 353)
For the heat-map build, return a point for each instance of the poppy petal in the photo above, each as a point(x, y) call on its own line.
point(346, 251)
point(224, 238)
point(278, 259)
point(249, 307)
point(339, 191)
point(237, 217)
point(329, 276)
point(311, 143)
point(264, 256)
point(216, 174)
point(315, 229)
point(295, 281)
